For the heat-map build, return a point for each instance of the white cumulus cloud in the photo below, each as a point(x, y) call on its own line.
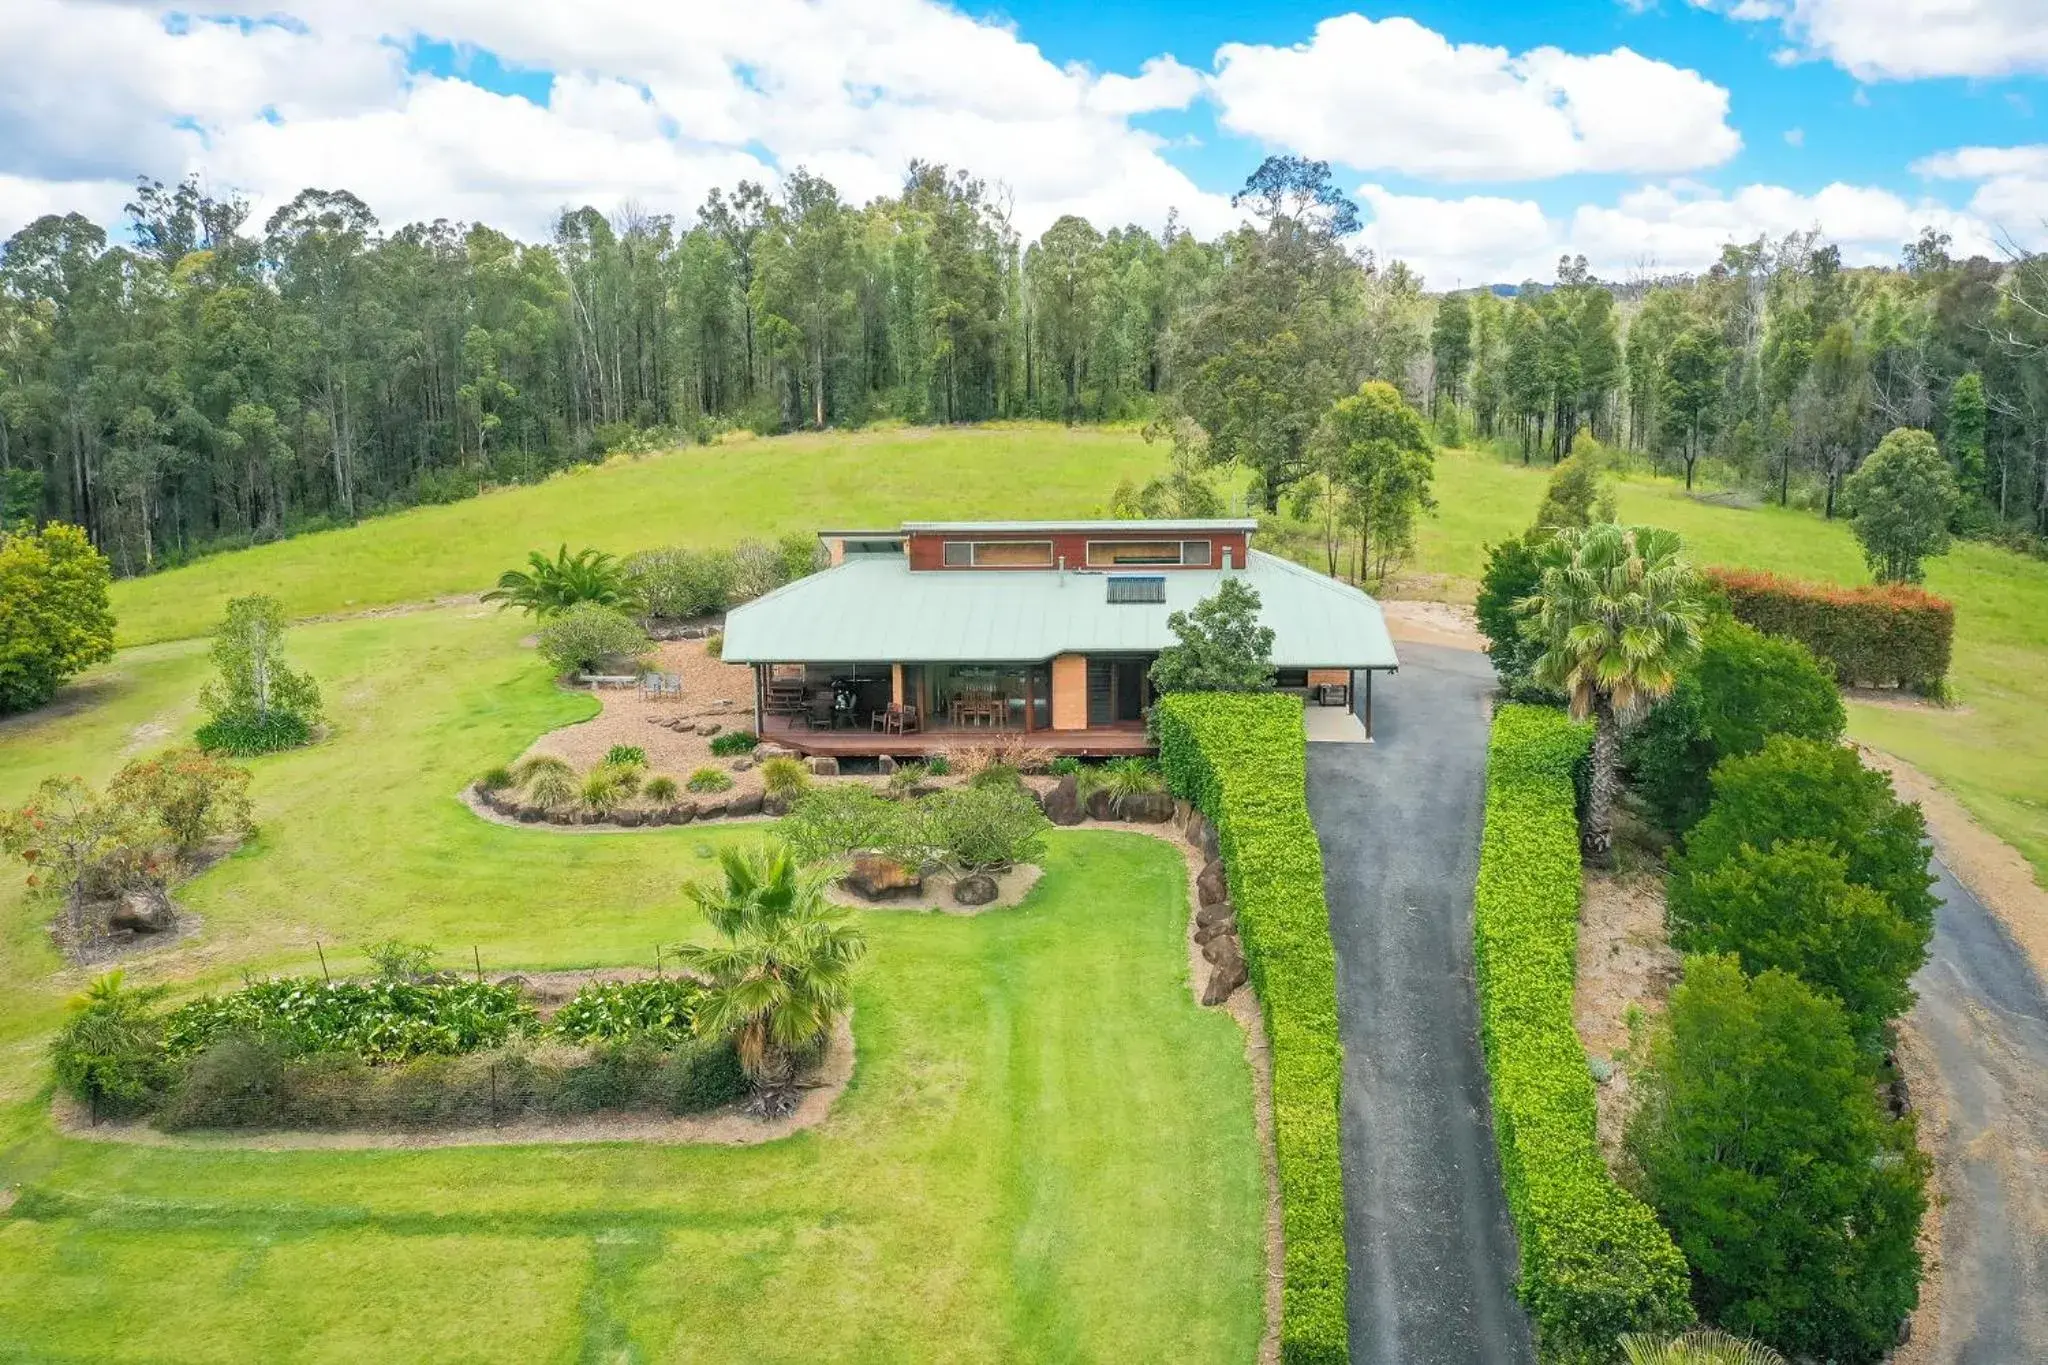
point(2012, 193)
point(1391, 95)
point(1907, 39)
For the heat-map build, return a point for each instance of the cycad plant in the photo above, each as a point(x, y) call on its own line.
point(1618, 611)
point(549, 587)
point(1702, 1346)
point(783, 972)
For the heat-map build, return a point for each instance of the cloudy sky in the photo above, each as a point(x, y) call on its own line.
point(1481, 139)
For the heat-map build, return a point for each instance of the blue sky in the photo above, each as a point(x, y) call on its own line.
point(1481, 138)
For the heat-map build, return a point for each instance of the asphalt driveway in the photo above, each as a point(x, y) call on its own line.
point(1984, 1016)
point(1432, 1250)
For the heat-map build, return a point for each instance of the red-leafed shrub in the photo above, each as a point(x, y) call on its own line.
point(1885, 636)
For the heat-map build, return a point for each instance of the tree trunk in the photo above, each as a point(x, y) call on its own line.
point(1596, 839)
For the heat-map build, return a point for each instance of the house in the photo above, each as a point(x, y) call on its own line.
point(947, 633)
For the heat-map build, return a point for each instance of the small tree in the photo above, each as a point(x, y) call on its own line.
point(1374, 461)
point(1792, 907)
point(588, 635)
point(784, 972)
point(831, 823)
point(1691, 392)
point(1222, 648)
point(256, 702)
point(546, 587)
point(1900, 503)
point(1806, 789)
point(982, 827)
point(82, 846)
point(1619, 611)
point(54, 617)
point(1968, 419)
point(1760, 1143)
point(191, 794)
point(1513, 572)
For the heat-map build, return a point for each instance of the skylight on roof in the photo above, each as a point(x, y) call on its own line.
point(1133, 588)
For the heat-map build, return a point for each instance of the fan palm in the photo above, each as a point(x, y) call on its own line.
point(1618, 612)
point(783, 973)
point(549, 587)
point(1704, 1346)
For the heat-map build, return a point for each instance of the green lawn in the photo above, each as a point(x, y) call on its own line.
point(1047, 1151)
point(701, 495)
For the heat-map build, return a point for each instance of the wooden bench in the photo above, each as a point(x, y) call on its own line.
point(597, 680)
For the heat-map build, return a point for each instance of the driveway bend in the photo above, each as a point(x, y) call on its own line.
point(1984, 1017)
point(1432, 1251)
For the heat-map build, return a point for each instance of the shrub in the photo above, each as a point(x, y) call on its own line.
point(256, 703)
point(733, 743)
point(549, 588)
point(1792, 907)
point(1890, 636)
point(995, 775)
point(714, 645)
point(190, 795)
point(664, 1008)
point(845, 818)
point(1744, 688)
point(377, 1021)
point(982, 826)
point(1513, 572)
point(55, 620)
point(1066, 765)
point(1220, 645)
point(110, 1053)
point(1595, 1263)
point(661, 789)
point(83, 846)
point(785, 776)
point(626, 756)
point(938, 765)
point(1762, 1144)
point(709, 780)
point(1240, 758)
point(396, 960)
point(1807, 789)
point(601, 792)
point(906, 776)
point(698, 1075)
point(677, 584)
point(496, 779)
point(552, 788)
point(236, 1082)
point(588, 636)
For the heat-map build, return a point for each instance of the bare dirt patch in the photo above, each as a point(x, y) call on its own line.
point(1930, 1103)
point(727, 1127)
point(1626, 964)
point(1433, 623)
point(1898, 699)
point(1982, 861)
point(1012, 886)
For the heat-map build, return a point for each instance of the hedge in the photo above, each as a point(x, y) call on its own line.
point(1595, 1261)
point(1891, 635)
point(1241, 760)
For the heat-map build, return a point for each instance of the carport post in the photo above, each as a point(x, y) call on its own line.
point(1368, 703)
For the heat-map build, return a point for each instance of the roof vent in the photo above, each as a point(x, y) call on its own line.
point(1132, 588)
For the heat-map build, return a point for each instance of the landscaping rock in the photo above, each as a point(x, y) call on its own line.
point(1216, 912)
point(875, 878)
point(1063, 802)
point(824, 766)
point(629, 819)
point(919, 790)
point(775, 803)
point(515, 982)
point(1220, 947)
point(1101, 805)
point(745, 803)
point(1225, 977)
point(742, 764)
point(711, 810)
point(977, 888)
point(682, 813)
point(564, 816)
point(1147, 808)
point(145, 911)
point(1212, 885)
point(885, 765)
point(1202, 835)
point(1205, 932)
point(764, 752)
point(709, 728)
point(1181, 811)
point(529, 815)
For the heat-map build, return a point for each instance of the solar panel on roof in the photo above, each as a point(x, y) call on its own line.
point(1128, 588)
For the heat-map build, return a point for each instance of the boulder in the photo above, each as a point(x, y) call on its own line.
point(875, 878)
point(1181, 811)
point(764, 752)
point(1205, 932)
point(1202, 835)
point(1212, 885)
point(885, 765)
point(709, 728)
point(682, 813)
point(823, 766)
point(742, 764)
point(745, 803)
point(562, 815)
point(1147, 808)
point(976, 888)
point(775, 803)
point(529, 815)
point(1063, 802)
point(1224, 977)
point(711, 810)
point(1216, 912)
point(146, 910)
point(1220, 947)
point(1101, 805)
point(629, 819)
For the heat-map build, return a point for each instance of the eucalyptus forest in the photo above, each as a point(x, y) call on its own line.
point(198, 380)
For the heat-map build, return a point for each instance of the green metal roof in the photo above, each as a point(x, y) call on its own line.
point(878, 609)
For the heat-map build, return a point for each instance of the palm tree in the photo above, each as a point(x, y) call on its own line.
point(783, 973)
point(1703, 1346)
point(1618, 612)
point(549, 587)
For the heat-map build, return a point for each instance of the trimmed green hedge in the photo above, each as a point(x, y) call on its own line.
point(1889, 634)
point(1240, 758)
point(1595, 1261)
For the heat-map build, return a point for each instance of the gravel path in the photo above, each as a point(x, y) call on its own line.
point(1432, 1251)
point(1984, 1016)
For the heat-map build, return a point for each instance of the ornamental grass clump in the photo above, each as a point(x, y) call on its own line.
point(709, 780)
point(662, 790)
point(785, 777)
point(733, 743)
